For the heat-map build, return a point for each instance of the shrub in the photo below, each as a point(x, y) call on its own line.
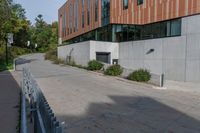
point(94, 65)
point(114, 70)
point(51, 55)
point(140, 75)
point(72, 63)
point(58, 61)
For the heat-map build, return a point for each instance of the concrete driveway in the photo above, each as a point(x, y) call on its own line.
point(91, 103)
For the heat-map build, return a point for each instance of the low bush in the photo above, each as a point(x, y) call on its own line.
point(58, 61)
point(72, 63)
point(51, 55)
point(13, 52)
point(17, 51)
point(3, 65)
point(114, 70)
point(140, 75)
point(94, 65)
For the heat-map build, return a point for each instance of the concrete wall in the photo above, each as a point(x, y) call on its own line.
point(83, 52)
point(192, 33)
point(96, 46)
point(177, 57)
point(80, 52)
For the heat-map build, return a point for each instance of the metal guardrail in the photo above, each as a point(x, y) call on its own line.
point(41, 114)
point(23, 128)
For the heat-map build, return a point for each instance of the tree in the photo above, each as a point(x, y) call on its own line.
point(14, 21)
point(5, 12)
point(45, 35)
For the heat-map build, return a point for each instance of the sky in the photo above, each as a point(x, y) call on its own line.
point(48, 8)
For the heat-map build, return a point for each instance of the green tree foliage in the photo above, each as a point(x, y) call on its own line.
point(43, 34)
point(4, 16)
point(13, 20)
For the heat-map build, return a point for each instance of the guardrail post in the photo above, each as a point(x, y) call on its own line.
point(23, 128)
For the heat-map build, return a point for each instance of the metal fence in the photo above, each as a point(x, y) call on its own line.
point(41, 114)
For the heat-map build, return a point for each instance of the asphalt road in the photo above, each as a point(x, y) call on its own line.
point(9, 101)
point(91, 103)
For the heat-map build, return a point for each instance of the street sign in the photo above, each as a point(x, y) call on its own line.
point(10, 38)
point(28, 43)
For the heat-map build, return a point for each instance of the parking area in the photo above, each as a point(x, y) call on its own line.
point(87, 102)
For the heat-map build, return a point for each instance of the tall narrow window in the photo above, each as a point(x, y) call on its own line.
point(76, 15)
point(125, 4)
point(83, 17)
point(71, 15)
point(105, 12)
point(88, 12)
point(139, 2)
point(74, 18)
point(96, 9)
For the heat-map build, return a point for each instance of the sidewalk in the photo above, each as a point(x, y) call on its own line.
point(9, 101)
point(188, 87)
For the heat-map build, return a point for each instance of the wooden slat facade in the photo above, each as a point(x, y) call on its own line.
point(149, 12)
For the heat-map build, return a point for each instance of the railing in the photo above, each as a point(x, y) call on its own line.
point(41, 114)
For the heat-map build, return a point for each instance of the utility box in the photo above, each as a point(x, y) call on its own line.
point(115, 61)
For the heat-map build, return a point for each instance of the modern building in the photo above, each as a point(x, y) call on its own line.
point(160, 35)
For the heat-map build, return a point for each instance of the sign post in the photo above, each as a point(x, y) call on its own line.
point(9, 41)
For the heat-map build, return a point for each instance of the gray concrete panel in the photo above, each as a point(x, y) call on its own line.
point(193, 24)
point(154, 66)
point(193, 70)
point(193, 46)
point(174, 47)
point(174, 69)
point(156, 45)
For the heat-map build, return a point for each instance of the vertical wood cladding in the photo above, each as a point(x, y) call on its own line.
point(152, 10)
point(148, 12)
point(64, 31)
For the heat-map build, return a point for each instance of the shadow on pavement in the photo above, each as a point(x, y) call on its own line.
point(9, 102)
point(130, 115)
point(21, 61)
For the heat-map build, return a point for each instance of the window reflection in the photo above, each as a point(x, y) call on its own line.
point(120, 33)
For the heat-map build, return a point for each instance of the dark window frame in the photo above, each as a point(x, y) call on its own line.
point(125, 4)
point(96, 10)
point(140, 2)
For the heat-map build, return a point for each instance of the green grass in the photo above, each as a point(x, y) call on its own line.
point(4, 67)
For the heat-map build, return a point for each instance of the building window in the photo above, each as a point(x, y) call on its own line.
point(83, 17)
point(96, 9)
point(120, 33)
point(176, 27)
point(82, 3)
point(71, 15)
point(125, 4)
point(88, 12)
point(76, 14)
point(139, 2)
point(105, 12)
